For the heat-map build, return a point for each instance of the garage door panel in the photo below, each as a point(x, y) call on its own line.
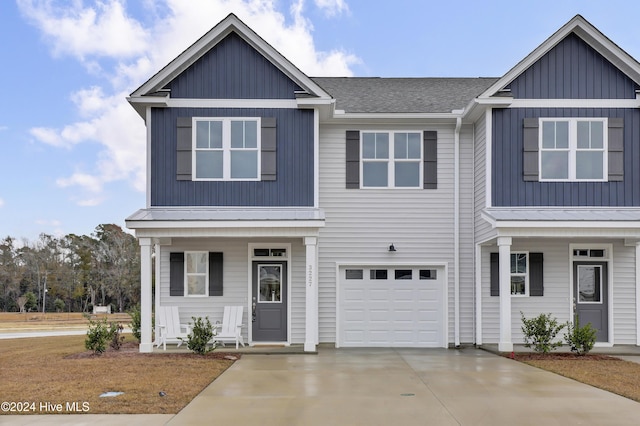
point(391, 312)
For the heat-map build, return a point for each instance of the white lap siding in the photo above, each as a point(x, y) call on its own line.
point(556, 299)
point(556, 289)
point(362, 223)
point(624, 294)
point(235, 281)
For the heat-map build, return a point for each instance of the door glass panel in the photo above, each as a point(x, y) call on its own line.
point(270, 283)
point(589, 284)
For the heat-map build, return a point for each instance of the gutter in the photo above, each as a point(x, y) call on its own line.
point(456, 227)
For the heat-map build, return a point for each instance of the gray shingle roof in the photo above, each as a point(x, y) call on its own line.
point(402, 95)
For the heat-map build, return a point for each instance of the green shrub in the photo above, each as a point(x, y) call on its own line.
point(115, 335)
point(540, 332)
point(59, 305)
point(200, 336)
point(97, 336)
point(580, 339)
point(135, 322)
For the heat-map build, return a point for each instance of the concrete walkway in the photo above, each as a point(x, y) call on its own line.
point(381, 387)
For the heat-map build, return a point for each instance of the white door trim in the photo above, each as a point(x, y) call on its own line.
point(608, 259)
point(250, 259)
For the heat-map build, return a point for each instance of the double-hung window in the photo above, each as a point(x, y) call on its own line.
point(226, 148)
point(519, 274)
point(573, 149)
point(391, 159)
point(196, 273)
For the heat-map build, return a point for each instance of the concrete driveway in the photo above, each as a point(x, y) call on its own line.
point(400, 387)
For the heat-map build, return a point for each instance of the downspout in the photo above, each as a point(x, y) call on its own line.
point(456, 227)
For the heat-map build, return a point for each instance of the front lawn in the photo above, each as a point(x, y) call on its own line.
point(601, 371)
point(39, 375)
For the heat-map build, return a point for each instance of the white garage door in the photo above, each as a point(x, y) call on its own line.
point(391, 306)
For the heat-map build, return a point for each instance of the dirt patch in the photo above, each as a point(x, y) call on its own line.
point(562, 356)
point(131, 350)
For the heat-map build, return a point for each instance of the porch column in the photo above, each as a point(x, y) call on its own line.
point(504, 250)
point(311, 292)
point(145, 295)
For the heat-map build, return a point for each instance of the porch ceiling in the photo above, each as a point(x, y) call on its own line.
point(565, 222)
point(228, 222)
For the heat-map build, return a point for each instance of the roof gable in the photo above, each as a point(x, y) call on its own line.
point(573, 70)
point(231, 24)
point(582, 29)
point(232, 69)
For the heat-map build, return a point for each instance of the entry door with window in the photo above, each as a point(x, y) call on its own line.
point(269, 301)
point(590, 296)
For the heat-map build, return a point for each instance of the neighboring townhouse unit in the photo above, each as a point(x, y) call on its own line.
point(393, 212)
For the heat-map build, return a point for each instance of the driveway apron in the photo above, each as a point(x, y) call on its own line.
point(400, 387)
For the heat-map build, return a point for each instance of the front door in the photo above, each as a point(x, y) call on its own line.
point(269, 301)
point(590, 296)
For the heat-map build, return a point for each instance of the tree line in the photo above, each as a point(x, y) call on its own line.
point(72, 273)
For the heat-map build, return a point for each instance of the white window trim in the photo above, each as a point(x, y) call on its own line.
point(226, 148)
point(186, 274)
point(526, 274)
point(573, 147)
point(391, 161)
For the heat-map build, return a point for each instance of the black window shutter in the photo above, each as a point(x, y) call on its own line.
point(353, 159)
point(430, 166)
point(268, 148)
point(215, 274)
point(530, 151)
point(616, 149)
point(176, 274)
point(536, 287)
point(495, 274)
point(184, 148)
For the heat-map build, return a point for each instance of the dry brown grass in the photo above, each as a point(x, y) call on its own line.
point(44, 370)
point(10, 321)
point(604, 372)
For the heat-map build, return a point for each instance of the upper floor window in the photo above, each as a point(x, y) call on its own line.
point(573, 149)
point(391, 160)
point(226, 148)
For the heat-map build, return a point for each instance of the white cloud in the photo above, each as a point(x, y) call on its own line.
point(113, 45)
point(332, 7)
point(102, 30)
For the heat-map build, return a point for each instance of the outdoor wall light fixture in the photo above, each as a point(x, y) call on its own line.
point(392, 247)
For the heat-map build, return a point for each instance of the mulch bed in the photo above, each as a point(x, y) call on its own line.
point(131, 350)
point(559, 356)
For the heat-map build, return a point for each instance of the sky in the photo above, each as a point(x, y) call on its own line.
point(73, 150)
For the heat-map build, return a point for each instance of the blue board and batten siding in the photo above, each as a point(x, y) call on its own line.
point(510, 189)
point(293, 186)
point(573, 70)
point(232, 70)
